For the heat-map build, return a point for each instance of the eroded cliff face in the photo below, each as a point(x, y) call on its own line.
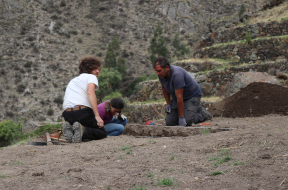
point(41, 42)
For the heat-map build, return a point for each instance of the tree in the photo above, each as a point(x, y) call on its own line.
point(242, 10)
point(110, 58)
point(157, 45)
point(180, 48)
point(115, 44)
point(110, 80)
point(121, 67)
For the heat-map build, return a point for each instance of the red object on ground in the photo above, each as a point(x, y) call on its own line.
point(148, 122)
point(204, 124)
point(55, 135)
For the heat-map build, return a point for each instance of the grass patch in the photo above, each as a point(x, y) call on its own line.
point(11, 133)
point(215, 173)
point(20, 163)
point(222, 157)
point(140, 187)
point(165, 181)
point(125, 147)
point(205, 131)
point(173, 157)
point(236, 163)
point(2, 176)
point(149, 174)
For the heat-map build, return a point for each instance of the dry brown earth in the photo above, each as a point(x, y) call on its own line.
point(258, 152)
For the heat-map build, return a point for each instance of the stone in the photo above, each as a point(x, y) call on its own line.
point(143, 61)
point(193, 75)
point(30, 126)
point(189, 23)
point(207, 88)
point(172, 14)
point(242, 79)
point(42, 2)
point(201, 78)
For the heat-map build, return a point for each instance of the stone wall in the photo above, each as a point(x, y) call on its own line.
point(261, 49)
point(238, 33)
point(213, 82)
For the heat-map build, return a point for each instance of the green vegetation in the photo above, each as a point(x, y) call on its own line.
point(140, 187)
point(58, 100)
point(2, 176)
point(125, 147)
point(149, 174)
point(222, 157)
point(205, 131)
point(11, 133)
point(242, 10)
point(157, 45)
point(50, 111)
point(165, 181)
point(173, 157)
point(20, 88)
point(17, 163)
point(180, 48)
point(216, 173)
point(236, 163)
point(248, 37)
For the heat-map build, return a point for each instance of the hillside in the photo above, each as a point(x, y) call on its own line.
point(42, 40)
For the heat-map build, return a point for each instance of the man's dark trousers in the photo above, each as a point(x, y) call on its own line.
point(191, 113)
point(86, 118)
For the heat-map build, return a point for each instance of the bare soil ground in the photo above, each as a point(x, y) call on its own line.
point(252, 157)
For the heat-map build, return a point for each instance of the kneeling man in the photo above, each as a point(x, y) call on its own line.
point(185, 92)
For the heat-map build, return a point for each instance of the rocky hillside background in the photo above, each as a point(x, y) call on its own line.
point(41, 42)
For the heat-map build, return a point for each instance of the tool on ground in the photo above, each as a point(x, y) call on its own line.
point(150, 123)
point(201, 124)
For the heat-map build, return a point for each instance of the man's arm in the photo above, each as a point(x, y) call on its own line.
point(93, 102)
point(180, 102)
point(166, 94)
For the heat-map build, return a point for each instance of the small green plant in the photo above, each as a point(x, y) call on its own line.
point(170, 171)
point(140, 187)
point(223, 160)
point(215, 173)
point(205, 131)
point(2, 176)
point(125, 147)
point(78, 146)
point(165, 181)
point(50, 111)
point(108, 187)
point(35, 77)
point(149, 174)
point(236, 163)
point(129, 151)
point(172, 157)
point(248, 37)
point(20, 163)
point(58, 100)
point(151, 141)
point(63, 3)
point(242, 10)
point(120, 157)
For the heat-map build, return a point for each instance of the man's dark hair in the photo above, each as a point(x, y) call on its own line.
point(89, 63)
point(161, 61)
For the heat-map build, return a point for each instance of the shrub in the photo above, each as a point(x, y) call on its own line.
point(248, 37)
point(58, 100)
point(63, 3)
point(20, 88)
point(100, 54)
point(54, 17)
point(31, 38)
point(74, 32)
point(9, 113)
point(9, 131)
point(50, 111)
point(242, 10)
point(79, 40)
point(28, 64)
point(112, 95)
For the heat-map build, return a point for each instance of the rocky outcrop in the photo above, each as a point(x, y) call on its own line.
point(241, 80)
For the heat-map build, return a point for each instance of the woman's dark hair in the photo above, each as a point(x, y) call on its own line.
point(89, 63)
point(117, 103)
point(162, 62)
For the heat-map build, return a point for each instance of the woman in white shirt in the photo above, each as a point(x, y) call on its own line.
point(80, 104)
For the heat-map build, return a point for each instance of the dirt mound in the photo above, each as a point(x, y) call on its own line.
point(256, 100)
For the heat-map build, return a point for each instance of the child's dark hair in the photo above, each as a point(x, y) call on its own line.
point(117, 103)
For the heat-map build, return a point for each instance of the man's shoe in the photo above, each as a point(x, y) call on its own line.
point(68, 132)
point(78, 132)
point(207, 114)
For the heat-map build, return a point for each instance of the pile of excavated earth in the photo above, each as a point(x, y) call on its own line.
point(255, 100)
